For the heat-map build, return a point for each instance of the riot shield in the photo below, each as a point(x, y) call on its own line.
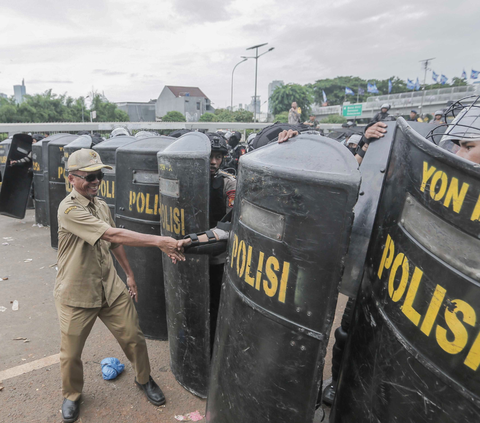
point(40, 181)
point(292, 220)
point(83, 141)
point(17, 179)
point(373, 176)
point(4, 147)
point(107, 150)
point(184, 170)
point(137, 209)
point(414, 350)
point(56, 180)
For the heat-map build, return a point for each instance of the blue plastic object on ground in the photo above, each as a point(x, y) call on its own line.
point(111, 368)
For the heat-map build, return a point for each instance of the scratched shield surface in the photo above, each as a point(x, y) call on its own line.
point(40, 181)
point(414, 351)
point(184, 171)
point(292, 221)
point(137, 209)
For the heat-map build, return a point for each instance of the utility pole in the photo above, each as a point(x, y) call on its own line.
point(425, 66)
point(256, 71)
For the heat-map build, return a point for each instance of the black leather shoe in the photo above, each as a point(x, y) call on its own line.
point(70, 410)
point(329, 394)
point(153, 392)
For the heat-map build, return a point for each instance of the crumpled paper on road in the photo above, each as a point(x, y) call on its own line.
point(194, 416)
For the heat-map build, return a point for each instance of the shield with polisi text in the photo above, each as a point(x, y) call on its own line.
point(184, 171)
point(292, 220)
point(414, 349)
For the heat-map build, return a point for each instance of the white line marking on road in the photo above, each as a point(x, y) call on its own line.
point(25, 368)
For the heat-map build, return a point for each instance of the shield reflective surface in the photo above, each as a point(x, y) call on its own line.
point(56, 179)
point(137, 209)
point(17, 179)
point(292, 220)
point(184, 170)
point(107, 150)
point(4, 147)
point(414, 349)
point(40, 181)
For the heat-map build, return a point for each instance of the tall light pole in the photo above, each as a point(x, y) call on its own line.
point(425, 65)
point(231, 96)
point(256, 72)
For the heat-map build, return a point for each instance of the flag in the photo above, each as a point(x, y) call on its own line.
point(464, 74)
point(361, 91)
point(372, 88)
point(349, 91)
point(389, 86)
point(443, 79)
point(474, 74)
point(417, 85)
point(434, 76)
point(410, 85)
point(324, 96)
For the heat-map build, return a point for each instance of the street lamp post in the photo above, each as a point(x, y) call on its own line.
point(231, 96)
point(256, 72)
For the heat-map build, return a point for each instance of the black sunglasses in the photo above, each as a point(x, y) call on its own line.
point(91, 177)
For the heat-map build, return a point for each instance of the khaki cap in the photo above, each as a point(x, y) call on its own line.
point(86, 160)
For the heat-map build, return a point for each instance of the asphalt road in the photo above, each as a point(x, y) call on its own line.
point(29, 367)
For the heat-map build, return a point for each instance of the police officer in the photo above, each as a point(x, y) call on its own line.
point(382, 114)
point(236, 150)
point(414, 116)
point(88, 286)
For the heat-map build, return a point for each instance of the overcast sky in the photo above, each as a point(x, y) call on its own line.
point(131, 49)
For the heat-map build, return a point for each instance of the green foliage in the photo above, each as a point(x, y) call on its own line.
point(284, 95)
point(208, 117)
point(173, 116)
point(224, 115)
point(281, 117)
point(334, 119)
point(49, 107)
point(243, 116)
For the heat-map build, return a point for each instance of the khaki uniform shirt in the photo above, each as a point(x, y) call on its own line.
point(85, 265)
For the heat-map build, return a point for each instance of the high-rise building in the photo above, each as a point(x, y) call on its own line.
point(251, 107)
point(19, 91)
point(3, 95)
point(271, 89)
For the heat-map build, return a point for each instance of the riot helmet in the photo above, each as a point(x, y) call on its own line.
point(217, 142)
point(233, 138)
point(439, 112)
point(385, 106)
point(118, 132)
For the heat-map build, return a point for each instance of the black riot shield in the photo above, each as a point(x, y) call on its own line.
point(107, 150)
point(4, 147)
point(56, 179)
point(40, 181)
point(373, 169)
point(414, 349)
point(184, 170)
point(83, 141)
point(137, 209)
point(291, 228)
point(17, 179)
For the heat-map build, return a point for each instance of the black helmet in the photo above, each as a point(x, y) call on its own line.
point(217, 142)
point(38, 137)
point(233, 138)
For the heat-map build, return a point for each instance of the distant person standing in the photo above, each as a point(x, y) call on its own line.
point(312, 122)
point(382, 114)
point(294, 115)
point(438, 118)
point(414, 116)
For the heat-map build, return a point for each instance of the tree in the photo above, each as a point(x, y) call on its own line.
point(243, 116)
point(208, 117)
point(284, 95)
point(281, 117)
point(106, 111)
point(173, 116)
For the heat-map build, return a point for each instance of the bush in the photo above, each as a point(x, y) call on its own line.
point(334, 119)
point(208, 117)
point(173, 116)
point(281, 117)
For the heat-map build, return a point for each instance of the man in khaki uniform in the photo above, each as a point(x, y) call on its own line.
point(87, 285)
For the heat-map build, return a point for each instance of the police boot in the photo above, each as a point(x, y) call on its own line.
point(329, 393)
point(70, 410)
point(152, 391)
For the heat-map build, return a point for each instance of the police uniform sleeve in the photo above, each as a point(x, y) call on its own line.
point(80, 222)
point(229, 187)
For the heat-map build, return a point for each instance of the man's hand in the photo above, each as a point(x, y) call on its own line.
point(132, 288)
point(172, 248)
point(375, 131)
point(286, 135)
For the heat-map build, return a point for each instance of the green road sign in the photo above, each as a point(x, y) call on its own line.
point(352, 110)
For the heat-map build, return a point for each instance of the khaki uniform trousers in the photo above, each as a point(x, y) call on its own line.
point(75, 325)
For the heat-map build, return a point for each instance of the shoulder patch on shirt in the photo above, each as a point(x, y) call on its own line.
point(70, 209)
